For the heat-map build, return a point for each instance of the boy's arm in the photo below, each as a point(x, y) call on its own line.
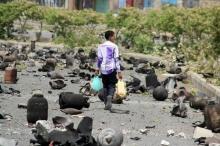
point(117, 62)
point(99, 59)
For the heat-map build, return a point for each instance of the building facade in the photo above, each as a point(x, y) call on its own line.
point(108, 5)
point(53, 3)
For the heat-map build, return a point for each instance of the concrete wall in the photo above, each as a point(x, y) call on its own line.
point(207, 88)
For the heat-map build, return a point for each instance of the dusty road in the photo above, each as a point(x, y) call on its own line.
point(144, 111)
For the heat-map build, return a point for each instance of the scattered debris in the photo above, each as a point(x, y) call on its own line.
point(170, 132)
point(6, 116)
point(71, 111)
point(110, 137)
point(119, 111)
point(180, 110)
point(181, 135)
point(135, 138)
point(22, 105)
point(144, 131)
point(45, 133)
point(57, 84)
point(201, 132)
point(150, 127)
point(211, 141)
point(164, 143)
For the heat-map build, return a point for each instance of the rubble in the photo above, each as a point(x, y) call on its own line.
point(53, 62)
point(164, 143)
point(170, 132)
point(201, 132)
point(45, 133)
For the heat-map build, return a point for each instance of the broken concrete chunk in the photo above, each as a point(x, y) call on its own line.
point(164, 143)
point(201, 132)
point(143, 131)
point(170, 132)
point(182, 135)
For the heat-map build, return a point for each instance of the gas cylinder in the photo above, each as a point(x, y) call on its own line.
point(37, 108)
point(10, 75)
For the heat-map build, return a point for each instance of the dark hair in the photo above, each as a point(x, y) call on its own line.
point(109, 34)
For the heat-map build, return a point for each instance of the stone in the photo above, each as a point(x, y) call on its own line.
point(143, 131)
point(164, 143)
point(170, 132)
point(201, 132)
point(182, 135)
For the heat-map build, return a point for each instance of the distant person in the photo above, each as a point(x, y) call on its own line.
point(109, 67)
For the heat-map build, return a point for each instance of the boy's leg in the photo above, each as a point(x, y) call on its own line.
point(105, 87)
point(111, 90)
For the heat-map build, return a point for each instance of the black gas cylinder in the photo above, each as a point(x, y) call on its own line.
point(151, 80)
point(160, 93)
point(72, 100)
point(37, 108)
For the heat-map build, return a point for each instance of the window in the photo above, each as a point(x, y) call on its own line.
point(169, 2)
point(52, 3)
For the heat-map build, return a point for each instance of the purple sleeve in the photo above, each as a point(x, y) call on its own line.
point(117, 62)
point(99, 58)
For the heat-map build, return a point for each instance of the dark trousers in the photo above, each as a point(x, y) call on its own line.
point(109, 81)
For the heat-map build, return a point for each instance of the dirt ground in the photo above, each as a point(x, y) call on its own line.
point(144, 111)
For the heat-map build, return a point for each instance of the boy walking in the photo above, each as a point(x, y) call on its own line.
point(109, 67)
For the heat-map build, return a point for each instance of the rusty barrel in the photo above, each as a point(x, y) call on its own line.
point(10, 75)
point(32, 45)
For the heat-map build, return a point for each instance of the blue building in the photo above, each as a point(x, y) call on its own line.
point(170, 2)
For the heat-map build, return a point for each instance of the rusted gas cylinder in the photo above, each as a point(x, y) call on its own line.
point(10, 76)
point(32, 45)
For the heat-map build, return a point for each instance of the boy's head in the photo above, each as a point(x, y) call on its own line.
point(110, 35)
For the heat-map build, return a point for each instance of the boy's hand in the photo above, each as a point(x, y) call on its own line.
point(119, 75)
point(97, 72)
